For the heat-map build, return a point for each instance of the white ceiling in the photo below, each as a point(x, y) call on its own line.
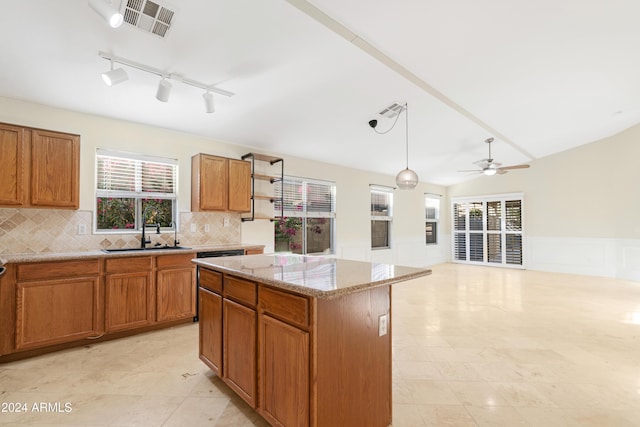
point(541, 77)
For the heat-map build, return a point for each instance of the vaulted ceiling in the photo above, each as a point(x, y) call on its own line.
point(540, 77)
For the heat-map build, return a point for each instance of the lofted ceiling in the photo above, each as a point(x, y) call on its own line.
point(540, 77)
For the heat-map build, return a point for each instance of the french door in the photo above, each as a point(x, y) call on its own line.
point(488, 230)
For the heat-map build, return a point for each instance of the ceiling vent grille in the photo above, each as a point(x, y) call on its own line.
point(148, 16)
point(392, 110)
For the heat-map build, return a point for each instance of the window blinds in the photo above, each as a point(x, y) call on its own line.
point(306, 197)
point(121, 174)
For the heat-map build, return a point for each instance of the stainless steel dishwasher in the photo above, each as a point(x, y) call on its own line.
point(210, 254)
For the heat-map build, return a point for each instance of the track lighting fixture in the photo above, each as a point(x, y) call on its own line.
point(164, 90)
point(164, 86)
point(208, 102)
point(108, 12)
point(113, 77)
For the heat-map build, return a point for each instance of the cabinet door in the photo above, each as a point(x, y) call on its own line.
point(128, 301)
point(239, 350)
point(55, 311)
point(210, 324)
point(239, 186)
point(175, 295)
point(213, 183)
point(11, 165)
point(283, 373)
point(55, 166)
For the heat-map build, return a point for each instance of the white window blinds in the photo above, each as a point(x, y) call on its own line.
point(381, 202)
point(122, 174)
point(306, 198)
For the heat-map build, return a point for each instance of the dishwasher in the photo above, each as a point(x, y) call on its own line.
point(210, 254)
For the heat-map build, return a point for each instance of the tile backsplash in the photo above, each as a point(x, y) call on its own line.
point(54, 230)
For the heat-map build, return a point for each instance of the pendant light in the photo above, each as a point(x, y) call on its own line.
point(406, 178)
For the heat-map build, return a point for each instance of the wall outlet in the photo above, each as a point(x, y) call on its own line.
point(383, 325)
point(82, 228)
point(207, 228)
point(225, 222)
point(193, 228)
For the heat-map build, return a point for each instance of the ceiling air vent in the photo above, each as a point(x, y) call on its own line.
point(148, 16)
point(392, 110)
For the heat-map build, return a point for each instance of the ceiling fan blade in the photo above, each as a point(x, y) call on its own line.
point(483, 162)
point(515, 167)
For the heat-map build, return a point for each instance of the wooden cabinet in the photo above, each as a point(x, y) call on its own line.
point(220, 184)
point(12, 141)
point(128, 294)
point(210, 325)
point(175, 287)
point(239, 350)
point(55, 167)
point(284, 373)
point(38, 168)
point(56, 302)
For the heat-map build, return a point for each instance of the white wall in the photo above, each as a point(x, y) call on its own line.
point(352, 199)
point(581, 207)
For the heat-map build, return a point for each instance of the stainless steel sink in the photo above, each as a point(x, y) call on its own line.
point(151, 248)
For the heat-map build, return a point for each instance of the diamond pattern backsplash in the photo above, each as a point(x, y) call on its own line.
point(53, 230)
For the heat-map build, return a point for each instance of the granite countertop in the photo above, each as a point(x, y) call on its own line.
point(64, 256)
point(315, 276)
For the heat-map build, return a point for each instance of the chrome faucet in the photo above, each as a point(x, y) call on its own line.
point(144, 240)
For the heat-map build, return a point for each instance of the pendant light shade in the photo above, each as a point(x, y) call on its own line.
point(164, 90)
point(108, 12)
point(407, 179)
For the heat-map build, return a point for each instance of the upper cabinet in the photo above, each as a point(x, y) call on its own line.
point(220, 184)
point(38, 168)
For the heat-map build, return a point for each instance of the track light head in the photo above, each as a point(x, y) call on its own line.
point(164, 90)
point(208, 102)
point(108, 12)
point(373, 123)
point(113, 77)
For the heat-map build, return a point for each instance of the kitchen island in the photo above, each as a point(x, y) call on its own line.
point(306, 341)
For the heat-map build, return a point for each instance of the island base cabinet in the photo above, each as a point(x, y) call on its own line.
point(239, 350)
point(284, 373)
point(42, 313)
point(210, 324)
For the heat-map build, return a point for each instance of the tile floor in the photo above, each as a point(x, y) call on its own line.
point(472, 346)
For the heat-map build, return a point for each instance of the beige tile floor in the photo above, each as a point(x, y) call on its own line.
point(472, 346)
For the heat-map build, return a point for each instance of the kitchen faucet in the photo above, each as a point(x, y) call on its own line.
point(144, 240)
point(176, 242)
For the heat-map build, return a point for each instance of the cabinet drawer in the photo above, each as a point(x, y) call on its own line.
point(240, 290)
point(211, 280)
point(57, 270)
point(128, 265)
point(175, 260)
point(288, 307)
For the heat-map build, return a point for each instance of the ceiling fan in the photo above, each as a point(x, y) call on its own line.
point(489, 167)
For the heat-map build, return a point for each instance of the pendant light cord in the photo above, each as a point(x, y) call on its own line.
point(406, 113)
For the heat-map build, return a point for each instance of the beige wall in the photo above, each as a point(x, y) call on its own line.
point(353, 226)
point(587, 192)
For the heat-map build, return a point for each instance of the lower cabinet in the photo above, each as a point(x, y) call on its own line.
point(128, 293)
point(239, 349)
point(175, 285)
point(50, 310)
point(284, 373)
point(210, 325)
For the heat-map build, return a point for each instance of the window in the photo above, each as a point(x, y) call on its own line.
point(132, 189)
point(488, 230)
point(432, 216)
point(381, 216)
point(309, 216)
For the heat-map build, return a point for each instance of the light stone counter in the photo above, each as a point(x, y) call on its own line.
point(65, 256)
point(315, 276)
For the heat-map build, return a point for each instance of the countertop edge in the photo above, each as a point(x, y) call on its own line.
point(315, 293)
point(98, 253)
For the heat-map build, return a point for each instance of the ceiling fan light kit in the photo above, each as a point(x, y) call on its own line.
point(489, 168)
